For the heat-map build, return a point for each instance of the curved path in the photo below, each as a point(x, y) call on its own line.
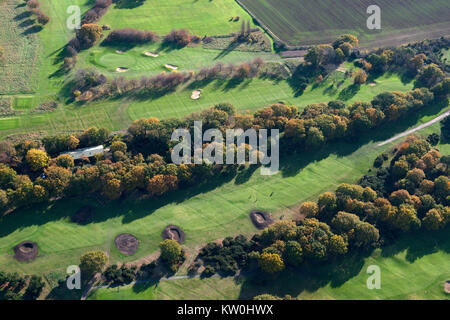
point(424, 125)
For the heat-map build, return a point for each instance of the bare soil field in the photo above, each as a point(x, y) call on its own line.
point(310, 22)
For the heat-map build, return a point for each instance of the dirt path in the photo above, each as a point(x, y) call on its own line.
point(406, 133)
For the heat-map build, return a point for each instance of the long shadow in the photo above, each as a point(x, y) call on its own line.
point(128, 4)
point(227, 50)
point(336, 273)
point(26, 23)
point(23, 15)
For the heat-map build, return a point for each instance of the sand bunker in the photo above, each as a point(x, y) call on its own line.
point(196, 94)
point(261, 219)
point(126, 243)
point(84, 215)
point(26, 251)
point(120, 51)
point(171, 67)
point(151, 54)
point(173, 233)
point(372, 84)
point(121, 69)
point(447, 286)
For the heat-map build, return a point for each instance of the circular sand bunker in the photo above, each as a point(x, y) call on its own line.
point(261, 219)
point(196, 94)
point(173, 233)
point(447, 286)
point(84, 215)
point(171, 67)
point(121, 69)
point(26, 251)
point(126, 243)
point(151, 54)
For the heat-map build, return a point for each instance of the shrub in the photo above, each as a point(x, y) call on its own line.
point(93, 261)
point(271, 262)
point(170, 251)
point(36, 159)
point(131, 36)
point(179, 38)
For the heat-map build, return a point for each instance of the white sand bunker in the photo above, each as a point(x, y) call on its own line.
point(196, 94)
point(120, 51)
point(121, 69)
point(171, 67)
point(372, 84)
point(151, 54)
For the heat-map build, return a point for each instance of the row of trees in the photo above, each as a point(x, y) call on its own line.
point(415, 195)
point(130, 36)
point(88, 85)
point(97, 11)
point(41, 17)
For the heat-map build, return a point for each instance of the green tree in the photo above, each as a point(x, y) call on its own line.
point(93, 261)
point(271, 262)
point(170, 251)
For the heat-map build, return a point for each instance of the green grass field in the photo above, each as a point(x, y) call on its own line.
point(201, 17)
point(408, 271)
point(321, 21)
point(205, 214)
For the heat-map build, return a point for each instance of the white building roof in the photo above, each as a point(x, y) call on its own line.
point(85, 152)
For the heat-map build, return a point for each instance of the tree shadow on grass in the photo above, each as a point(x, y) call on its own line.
point(291, 163)
point(227, 50)
point(349, 92)
point(336, 273)
point(419, 244)
point(310, 278)
point(128, 4)
point(26, 23)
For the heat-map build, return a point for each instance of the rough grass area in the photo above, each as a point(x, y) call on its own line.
point(320, 21)
point(19, 67)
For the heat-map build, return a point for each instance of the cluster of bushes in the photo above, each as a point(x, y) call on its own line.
point(15, 287)
point(41, 17)
point(226, 257)
point(220, 71)
point(335, 53)
point(411, 193)
point(97, 11)
point(142, 160)
point(180, 38)
point(322, 123)
point(119, 276)
point(130, 36)
point(88, 85)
